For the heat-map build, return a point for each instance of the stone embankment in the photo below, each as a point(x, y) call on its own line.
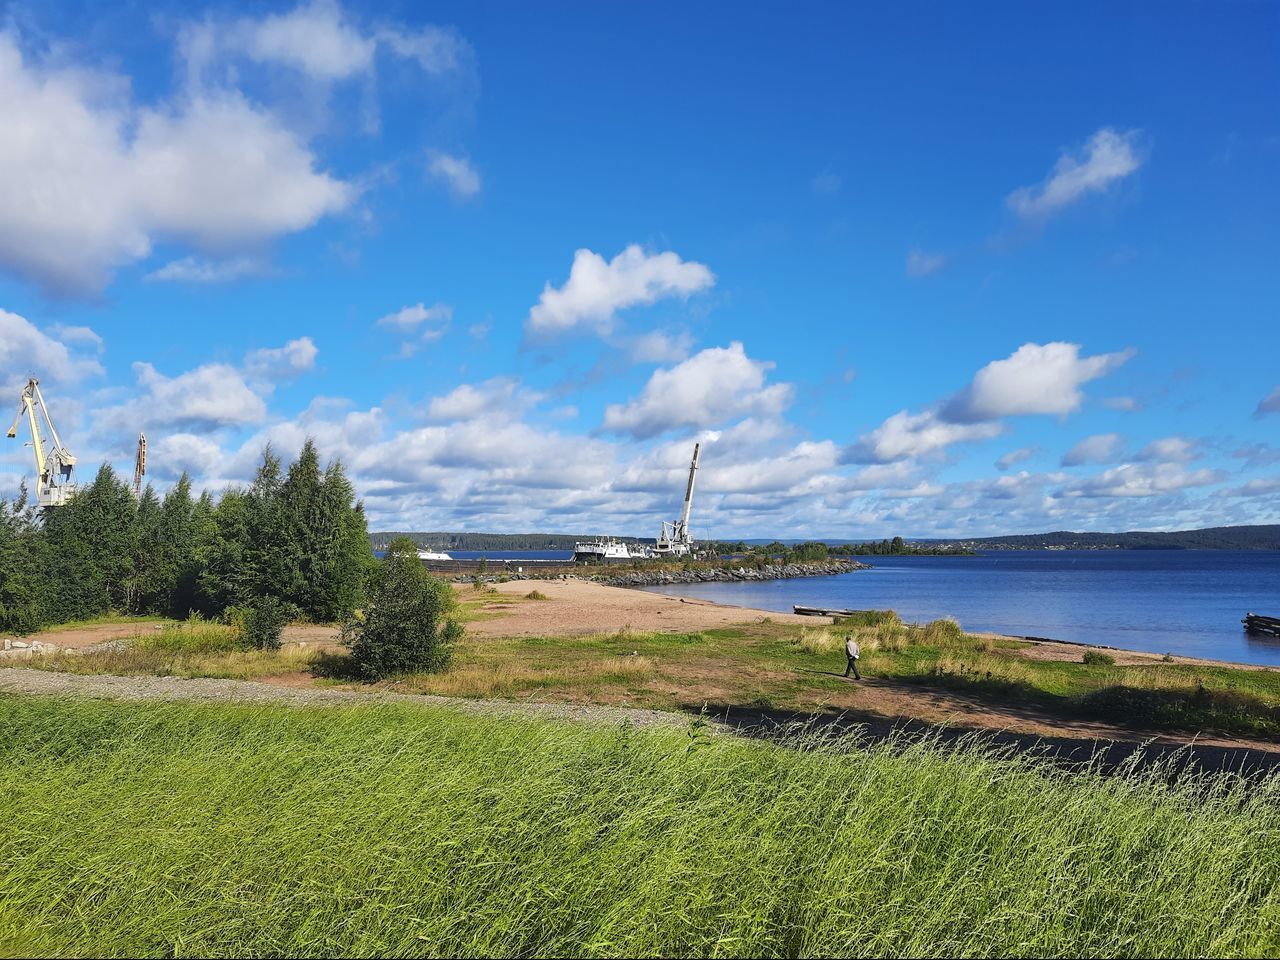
point(728, 574)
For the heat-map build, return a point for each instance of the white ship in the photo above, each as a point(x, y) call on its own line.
point(675, 540)
point(431, 555)
point(608, 550)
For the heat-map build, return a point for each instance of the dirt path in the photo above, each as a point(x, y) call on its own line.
point(1101, 752)
point(95, 635)
point(576, 607)
point(107, 687)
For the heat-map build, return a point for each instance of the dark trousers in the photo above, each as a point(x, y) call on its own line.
point(852, 667)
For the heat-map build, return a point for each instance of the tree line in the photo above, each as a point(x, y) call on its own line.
point(295, 537)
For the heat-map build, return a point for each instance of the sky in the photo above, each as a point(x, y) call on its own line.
point(918, 269)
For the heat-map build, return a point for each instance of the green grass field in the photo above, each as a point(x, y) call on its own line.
point(181, 830)
point(761, 665)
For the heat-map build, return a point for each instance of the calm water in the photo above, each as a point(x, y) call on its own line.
point(1176, 601)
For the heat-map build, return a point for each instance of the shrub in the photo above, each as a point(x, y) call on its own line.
point(536, 595)
point(406, 626)
point(868, 618)
point(1096, 658)
point(265, 620)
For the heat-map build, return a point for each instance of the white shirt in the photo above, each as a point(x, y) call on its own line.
point(851, 648)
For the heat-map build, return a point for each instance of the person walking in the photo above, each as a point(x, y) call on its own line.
point(852, 653)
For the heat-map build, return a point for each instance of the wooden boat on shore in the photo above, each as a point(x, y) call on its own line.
point(821, 612)
point(1255, 623)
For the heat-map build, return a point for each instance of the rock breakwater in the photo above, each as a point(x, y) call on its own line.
point(728, 573)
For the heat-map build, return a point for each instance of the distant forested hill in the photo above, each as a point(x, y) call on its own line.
point(487, 541)
point(1257, 537)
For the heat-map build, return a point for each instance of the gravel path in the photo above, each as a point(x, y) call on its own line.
point(49, 683)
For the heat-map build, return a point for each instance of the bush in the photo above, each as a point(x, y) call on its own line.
point(406, 627)
point(264, 622)
point(1096, 658)
point(868, 618)
point(536, 595)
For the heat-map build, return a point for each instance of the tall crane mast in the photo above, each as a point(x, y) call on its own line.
point(140, 465)
point(675, 539)
point(54, 462)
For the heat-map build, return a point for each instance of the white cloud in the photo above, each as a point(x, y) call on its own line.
point(1169, 450)
point(1261, 487)
point(658, 347)
point(200, 270)
point(1014, 457)
point(502, 397)
point(436, 49)
point(88, 180)
point(273, 365)
point(434, 322)
point(907, 435)
point(1269, 404)
point(1142, 480)
point(26, 351)
point(921, 264)
point(455, 172)
point(1035, 379)
point(313, 38)
point(1122, 404)
point(173, 453)
point(1100, 448)
point(212, 395)
point(713, 386)
point(409, 318)
point(1108, 156)
point(218, 172)
point(596, 290)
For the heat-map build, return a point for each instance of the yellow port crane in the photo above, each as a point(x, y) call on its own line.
point(54, 464)
point(140, 465)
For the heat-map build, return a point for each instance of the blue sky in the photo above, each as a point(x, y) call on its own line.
point(914, 269)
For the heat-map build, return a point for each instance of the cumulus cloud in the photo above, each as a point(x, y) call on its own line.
point(1122, 404)
point(921, 264)
point(1169, 450)
point(658, 347)
point(94, 179)
point(318, 40)
point(1268, 404)
point(273, 365)
point(1100, 448)
point(1107, 157)
point(1261, 487)
point(711, 387)
point(212, 395)
point(499, 396)
point(908, 435)
point(200, 270)
point(456, 173)
point(1014, 457)
point(1142, 480)
point(1257, 455)
point(1035, 379)
point(26, 351)
point(596, 290)
point(419, 325)
point(411, 317)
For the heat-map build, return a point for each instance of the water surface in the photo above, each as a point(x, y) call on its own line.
point(1163, 601)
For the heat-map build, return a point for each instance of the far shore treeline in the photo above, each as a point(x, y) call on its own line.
point(295, 537)
point(1247, 537)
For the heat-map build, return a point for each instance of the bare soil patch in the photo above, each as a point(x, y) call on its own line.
point(579, 607)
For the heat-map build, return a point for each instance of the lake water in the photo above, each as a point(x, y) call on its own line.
point(1163, 601)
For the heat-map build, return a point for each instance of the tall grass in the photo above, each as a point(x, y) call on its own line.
point(181, 830)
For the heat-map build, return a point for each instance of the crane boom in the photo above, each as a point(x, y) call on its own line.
point(54, 486)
